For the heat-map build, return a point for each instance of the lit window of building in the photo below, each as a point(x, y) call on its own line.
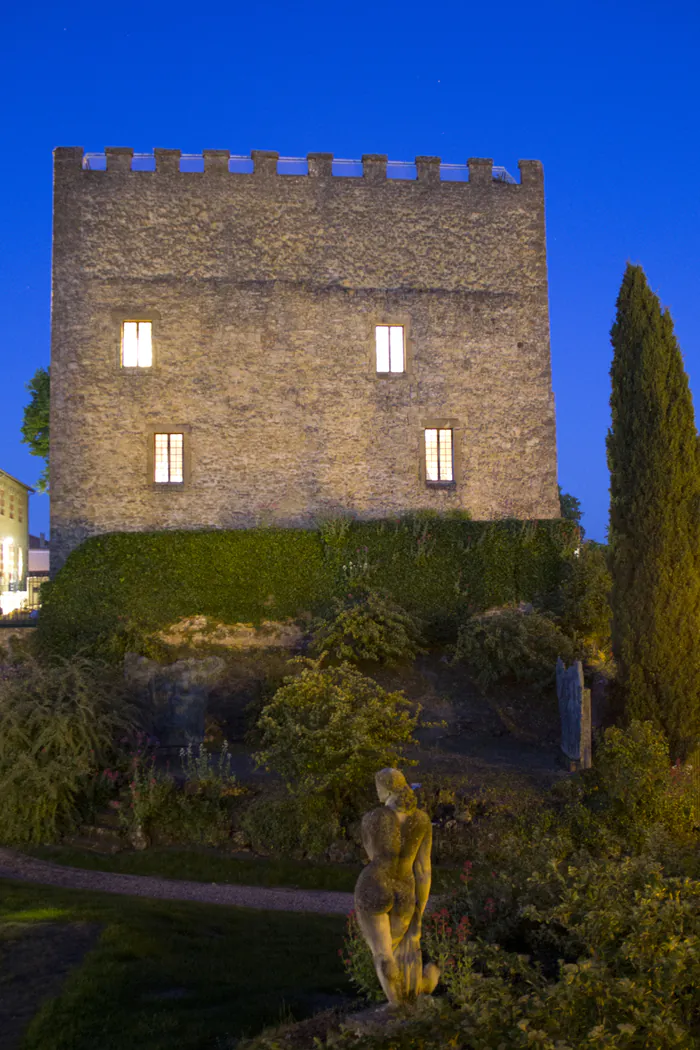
point(391, 356)
point(169, 459)
point(439, 464)
point(137, 344)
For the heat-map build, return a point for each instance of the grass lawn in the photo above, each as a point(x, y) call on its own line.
point(173, 975)
point(208, 865)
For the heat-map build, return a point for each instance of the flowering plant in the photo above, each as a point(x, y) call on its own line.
point(146, 788)
point(206, 773)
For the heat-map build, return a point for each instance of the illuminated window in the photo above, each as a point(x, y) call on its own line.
point(137, 345)
point(390, 348)
point(438, 455)
point(168, 459)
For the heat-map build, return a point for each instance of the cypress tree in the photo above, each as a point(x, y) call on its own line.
point(654, 533)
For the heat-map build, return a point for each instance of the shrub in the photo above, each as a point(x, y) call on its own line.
point(628, 977)
point(368, 627)
point(509, 644)
point(115, 591)
point(330, 729)
point(291, 825)
point(634, 790)
point(585, 605)
point(58, 726)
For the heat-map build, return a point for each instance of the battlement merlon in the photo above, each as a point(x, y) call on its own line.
point(70, 161)
point(531, 173)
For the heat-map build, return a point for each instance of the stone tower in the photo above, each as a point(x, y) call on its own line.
point(238, 341)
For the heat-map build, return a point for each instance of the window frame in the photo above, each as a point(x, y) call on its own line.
point(138, 313)
point(168, 428)
point(138, 321)
point(393, 320)
point(441, 424)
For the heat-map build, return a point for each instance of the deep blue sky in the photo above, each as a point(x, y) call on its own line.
point(606, 94)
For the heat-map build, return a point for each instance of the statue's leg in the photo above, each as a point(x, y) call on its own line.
point(377, 932)
point(400, 924)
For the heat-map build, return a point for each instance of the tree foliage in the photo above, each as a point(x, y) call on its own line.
point(570, 508)
point(35, 423)
point(654, 518)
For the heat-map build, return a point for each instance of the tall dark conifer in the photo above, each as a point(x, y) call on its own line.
point(654, 518)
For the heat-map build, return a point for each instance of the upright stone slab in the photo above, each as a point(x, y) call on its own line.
point(575, 714)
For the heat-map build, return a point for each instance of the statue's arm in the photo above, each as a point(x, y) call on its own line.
point(422, 872)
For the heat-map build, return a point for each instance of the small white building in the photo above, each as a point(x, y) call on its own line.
point(14, 542)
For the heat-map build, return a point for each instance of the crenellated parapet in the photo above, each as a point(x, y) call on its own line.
point(373, 168)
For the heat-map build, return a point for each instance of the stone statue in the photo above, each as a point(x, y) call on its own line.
point(393, 890)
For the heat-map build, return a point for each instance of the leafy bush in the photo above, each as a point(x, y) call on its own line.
point(509, 644)
point(628, 936)
point(634, 790)
point(330, 729)
point(586, 585)
point(291, 825)
point(368, 627)
point(114, 591)
point(58, 727)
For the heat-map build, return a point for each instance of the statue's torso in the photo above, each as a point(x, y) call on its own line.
point(392, 841)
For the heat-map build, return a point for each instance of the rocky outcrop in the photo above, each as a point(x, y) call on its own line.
point(176, 695)
point(200, 631)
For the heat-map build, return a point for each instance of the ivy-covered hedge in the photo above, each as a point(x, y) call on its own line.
point(113, 588)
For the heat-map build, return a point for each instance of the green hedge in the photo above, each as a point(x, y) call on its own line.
point(113, 588)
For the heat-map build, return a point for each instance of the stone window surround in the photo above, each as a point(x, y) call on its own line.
point(441, 423)
point(389, 317)
point(135, 312)
point(168, 428)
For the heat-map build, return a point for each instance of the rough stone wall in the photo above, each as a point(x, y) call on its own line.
point(264, 290)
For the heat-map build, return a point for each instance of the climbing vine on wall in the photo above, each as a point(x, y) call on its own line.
point(114, 589)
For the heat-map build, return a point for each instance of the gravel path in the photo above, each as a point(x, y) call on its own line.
point(29, 869)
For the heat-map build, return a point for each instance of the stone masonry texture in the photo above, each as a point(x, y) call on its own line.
point(264, 290)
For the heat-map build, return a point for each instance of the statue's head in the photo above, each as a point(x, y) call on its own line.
point(393, 790)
